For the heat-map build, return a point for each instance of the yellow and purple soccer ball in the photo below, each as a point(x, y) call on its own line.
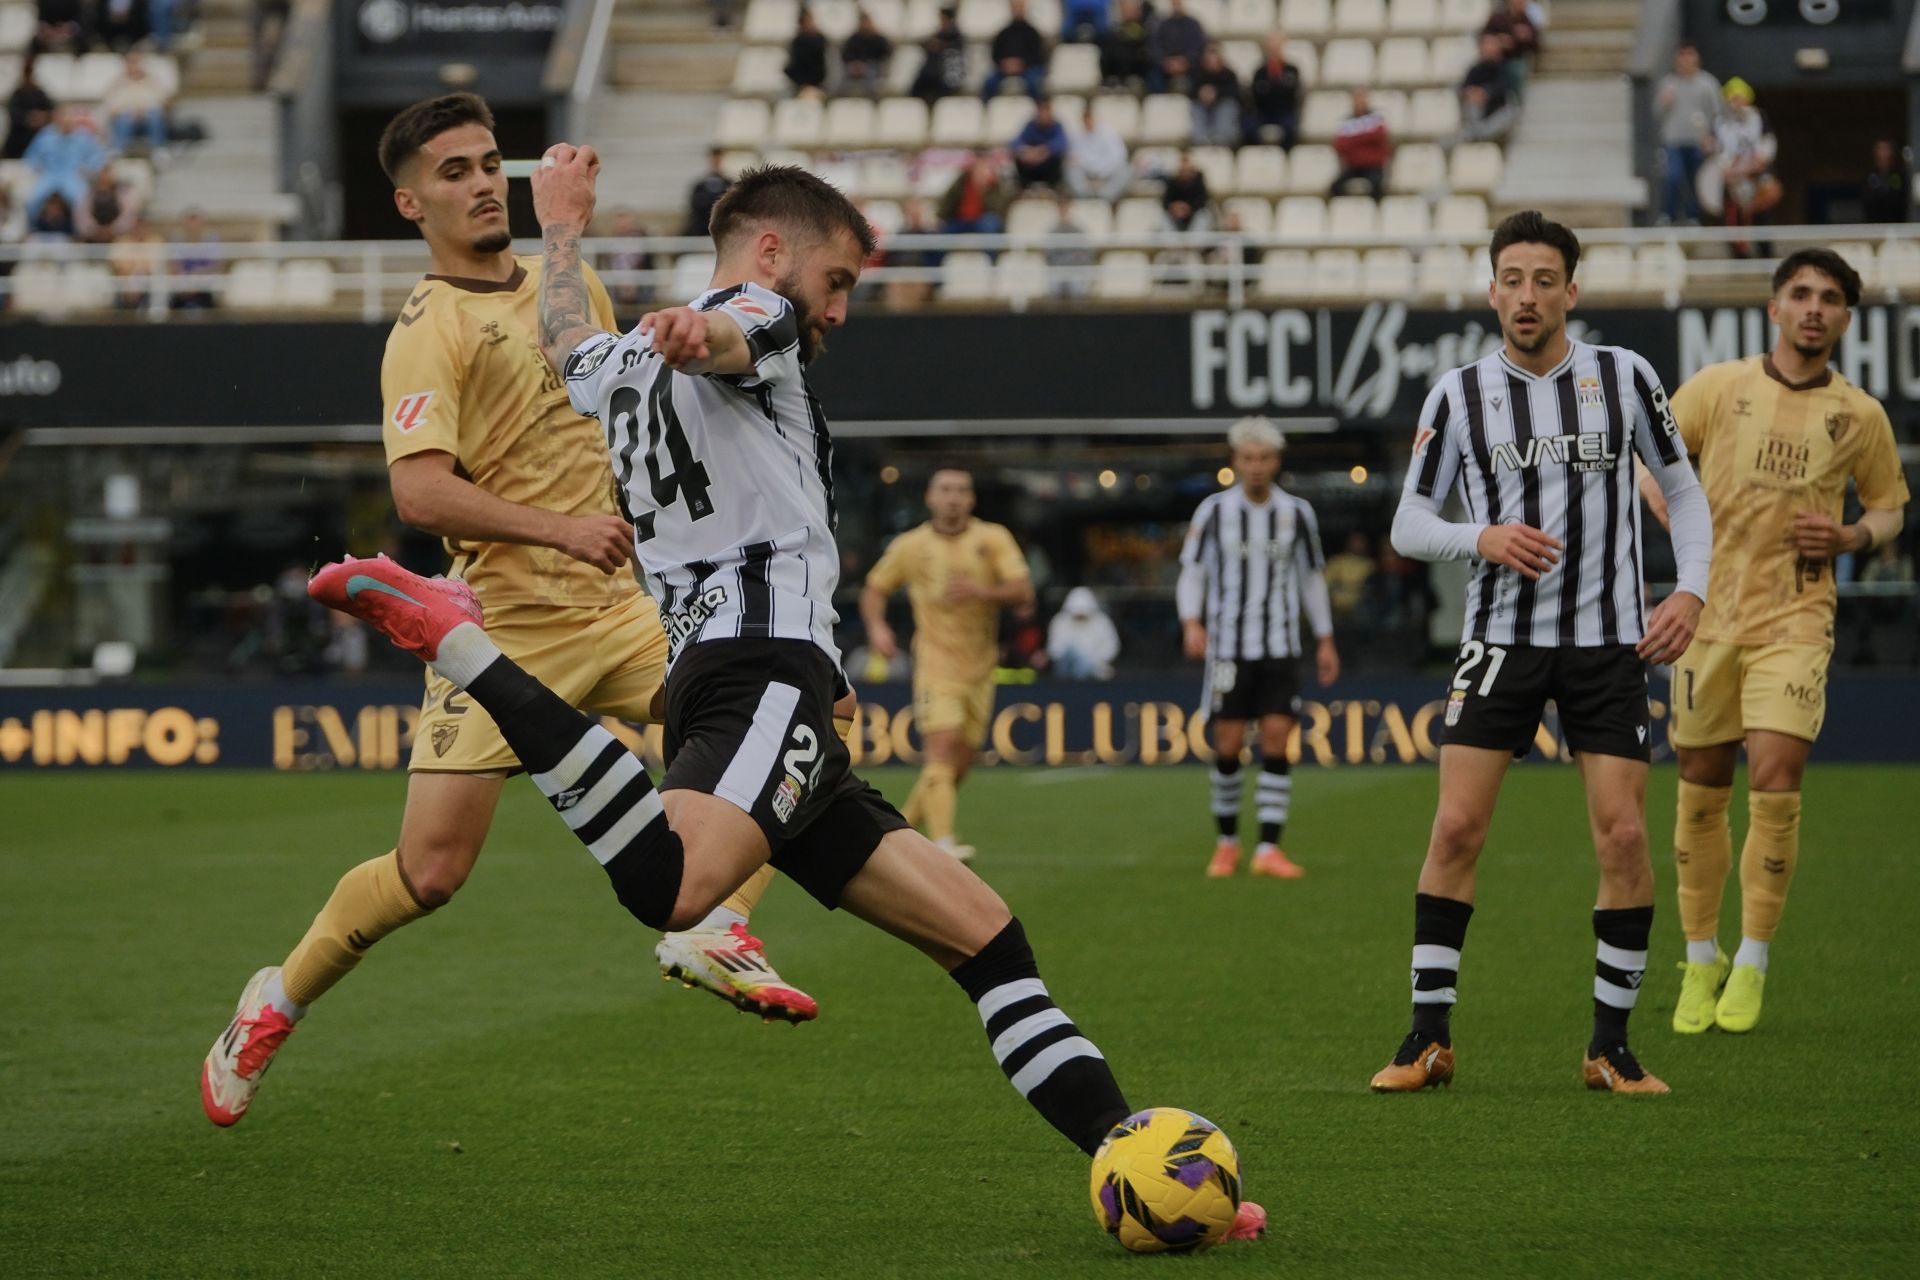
point(1166, 1179)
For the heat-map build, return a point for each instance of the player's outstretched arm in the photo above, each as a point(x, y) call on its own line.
point(563, 198)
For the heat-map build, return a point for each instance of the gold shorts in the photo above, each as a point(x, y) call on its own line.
point(940, 705)
point(1721, 691)
point(608, 661)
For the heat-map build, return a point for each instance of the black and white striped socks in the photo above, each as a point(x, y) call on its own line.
point(1439, 931)
point(1274, 797)
point(1620, 962)
point(1226, 797)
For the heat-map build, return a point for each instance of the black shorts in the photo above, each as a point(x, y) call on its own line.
point(1246, 689)
point(1500, 692)
point(751, 721)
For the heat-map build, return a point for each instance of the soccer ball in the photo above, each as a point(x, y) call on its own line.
point(1166, 1179)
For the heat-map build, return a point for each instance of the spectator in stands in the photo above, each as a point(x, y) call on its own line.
point(807, 58)
point(864, 58)
point(64, 157)
point(706, 193)
point(29, 110)
point(122, 23)
point(1081, 640)
point(1686, 102)
point(136, 259)
point(192, 266)
point(1887, 195)
point(1743, 147)
point(1518, 24)
point(1347, 573)
point(108, 212)
point(52, 222)
point(628, 298)
point(160, 23)
point(1063, 261)
point(944, 72)
point(978, 199)
point(266, 28)
point(1019, 53)
point(61, 25)
point(722, 14)
point(1040, 149)
point(1185, 198)
point(908, 294)
point(1363, 147)
point(1275, 93)
point(1124, 57)
point(1083, 21)
point(1216, 101)
point(1097, 163)
point(1488, 107)
point(136, 106)
point(1175, 47)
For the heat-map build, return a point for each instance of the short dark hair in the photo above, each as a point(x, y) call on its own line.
point(792, 197)
point(1825, 261)
point(424, 121)
point(1530, 226)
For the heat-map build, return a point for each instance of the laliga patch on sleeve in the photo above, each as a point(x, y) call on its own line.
point(411, 410)
point(741, 302)
point(1421, 439)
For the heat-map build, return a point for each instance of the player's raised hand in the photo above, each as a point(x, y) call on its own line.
point(1817, 536)
point(605, 542)
point(1519, 547)
point(563, 186)
point(680, 337)
point(1670, 628)
point(1193, 638)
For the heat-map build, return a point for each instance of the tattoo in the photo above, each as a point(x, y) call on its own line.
point(564, 310)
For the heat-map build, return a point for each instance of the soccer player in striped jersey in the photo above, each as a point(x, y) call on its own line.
point(1251, 568)
point(1538, 440)
point(724, 459)
point(1777, 437)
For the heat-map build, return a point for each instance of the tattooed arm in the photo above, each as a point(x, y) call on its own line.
point(563, 199)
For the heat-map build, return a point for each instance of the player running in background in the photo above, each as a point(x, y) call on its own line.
point(959, 572)
point(1251, 566)
point(1777, 437)
point(484, 450)
point(1538, 440)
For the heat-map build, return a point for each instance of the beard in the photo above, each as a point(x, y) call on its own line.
point(811, 345)
point(1542, 336)
point(1818, 351)
point(493, 242)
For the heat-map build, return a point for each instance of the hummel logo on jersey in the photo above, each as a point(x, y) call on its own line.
point(1583, 450)
point(411, 410)
point(568, 798)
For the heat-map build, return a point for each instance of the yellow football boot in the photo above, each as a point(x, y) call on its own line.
point(1739, 1007)
point(1699, 988)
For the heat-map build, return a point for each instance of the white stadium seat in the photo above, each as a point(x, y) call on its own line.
point(1386, 274)
point(884, 177)
point(1463, 15)
point(1255, 213)
point(1285, 273)
point(1477, 167)
point(1306, 17)
point(1121, 113)
point(1216, 165)
point(850, 123)
point(1336, 273)
point(37, 289)
point(1445, 271)
point(1448, 59)
point(1299, 218)
point(1661, 268)
point(1403, 63)
point(901, 123)
point(253, 285)
point(1006, 117)
point(1031, 218)
point(1432, 113)
point(918, 20)
point(904, 68)
point(1124, 274)
point(1305, 58)
point(1405, 216)
point(799, 122)
point(1311, 169)
point(9, 73)
point(1899, 264)
point(1418, 168)
point(1606, 270)
point(966, 275)
point(1413, 17)
point(1166, 118)
point(837, 18)
point(1243, 58)
point(886, 217)
point(1360, 17)
point(1246, 18)
point(1020, 276)
point(1138, 216)
point(1353, 216)
point(982, 19)
point(1461, 215)
point(760, 72)
point(16, 28)
point(307, 283)
point(1093, 216)
point(958, 122)
point(1260, 171)
point(887, 17)
point(1392, 106)
point(1074, 68)
point(1347, 63)
point(1210, 14)
point(771, 22)
point(742, 124)
point(1322, 113)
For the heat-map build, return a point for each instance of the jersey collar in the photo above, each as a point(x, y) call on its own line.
point(472, 285)
point(1814, 383)
point(1527, 374)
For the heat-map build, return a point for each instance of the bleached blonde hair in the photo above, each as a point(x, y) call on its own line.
point(1257, 432)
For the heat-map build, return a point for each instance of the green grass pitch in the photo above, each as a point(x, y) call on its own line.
point(508, 1089)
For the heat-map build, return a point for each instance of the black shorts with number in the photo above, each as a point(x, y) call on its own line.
point(1499, 693)
point(751, 721)
point(1246, 689)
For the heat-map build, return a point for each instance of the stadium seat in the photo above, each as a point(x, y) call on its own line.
point(1299, 218)
point(1392, 106)
point(1243, 57)
point(16, 29)
point(837, 19)
point(1336, 273)
point(1414, 17)
point(1405, 216)
point(1446, 271)
point(1020, 276)
point(1121, 113)
point(1900, 265)
point(1659, 269)
point(1347, 62)
point(1093, 216)
point(1074, 68)
point(850, 124)
point(736, 162)
point(252, 285)
point(1860, 257)
point(1124, 274)
point(1463, 15)
point(1247, 18)
point(1306, 17)
point(1306, 59)
point(93, 74)
point(1068, 108)
point(307, 283)
point(136, 175)
point(799, 122)
point(9, 73)
point(1352, 216)
point(788, 157)
point(884, 177)
point(1210, 14)
point(1311, 169)
point(54, 73)
point(1477, 167)
point(1255, 214)
point(37, 289)
point(918, 20)
point(966, 275)
point(1431, 113)
point(741, 124)
point(1031, 217)
point(981, 20)
point(1418, 168)
point(1166, 118)
point(1387, 274)
point(901, 123)
point(1461, 215)
point(164, 70)
point(958, 122)
point(840, 171)
point(1360, 17)
point(1260, 171)
point(691, 274)
point(1005, 118)
point(1606, 270)
point(1138, 216)
point(771, 22)
point(888, 17)
point(1322, 114)
point(759, 72)
point(1216, 165)
point(1284, 273)
point(904, 68)
point(885, 216)
point(1402, 64)
point(1155, 162)
point(1448, 59)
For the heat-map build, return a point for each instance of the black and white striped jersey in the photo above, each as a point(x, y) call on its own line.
point(1553, 451)
point(1249, 570)
point(727, 479)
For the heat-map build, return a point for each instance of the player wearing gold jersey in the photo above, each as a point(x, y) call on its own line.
point(1777, 438)
point(959, 573)
point(484, 450)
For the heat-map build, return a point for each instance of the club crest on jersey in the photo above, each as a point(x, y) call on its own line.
point(786, 798)
point(411, 410)
point(1456, 703)
point(443, 736)
point(1837, 424)
point(1587, 390)
point(1581, 450)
